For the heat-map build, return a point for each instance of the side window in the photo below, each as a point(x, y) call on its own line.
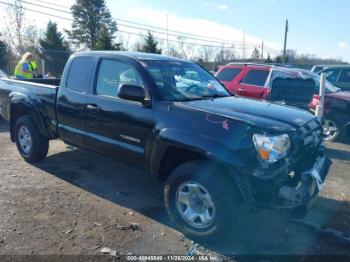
point(256, 77)
point(228, 74)
point(344, 76)
point(112, 74)
point(332, 74)
point(79, 74)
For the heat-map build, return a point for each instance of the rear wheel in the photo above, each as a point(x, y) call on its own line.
point(202, 201)
point(31, 144)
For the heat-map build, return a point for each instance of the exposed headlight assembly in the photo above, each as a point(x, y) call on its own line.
point(271, 148)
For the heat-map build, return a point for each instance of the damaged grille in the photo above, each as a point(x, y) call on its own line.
point(311, 134)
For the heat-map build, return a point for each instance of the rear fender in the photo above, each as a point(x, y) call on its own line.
point(22, 105)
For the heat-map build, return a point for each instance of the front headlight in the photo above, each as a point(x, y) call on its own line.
point(271, 148)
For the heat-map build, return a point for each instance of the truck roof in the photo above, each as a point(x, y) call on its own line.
point(134, 55)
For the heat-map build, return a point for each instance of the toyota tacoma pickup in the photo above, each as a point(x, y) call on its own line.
point(214, 152)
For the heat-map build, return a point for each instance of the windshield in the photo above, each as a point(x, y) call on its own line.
point(183, 81)
point(330, 88)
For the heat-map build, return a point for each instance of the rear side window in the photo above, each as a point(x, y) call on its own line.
point(228, 74)
point(79, 74)
point(256, 77)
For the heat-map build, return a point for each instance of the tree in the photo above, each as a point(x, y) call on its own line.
point(15, 24)
point(173, 52)
point(31, 39)
point(4, 54)
point(268, 59)
point(187, 50)
point(54, 50)
point(255, 54)
point(206, 53)
point(105, 42)
point(91, 19)
point(150, 45)
point(225, 55)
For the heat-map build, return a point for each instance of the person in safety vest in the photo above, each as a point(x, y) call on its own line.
point(26, 69)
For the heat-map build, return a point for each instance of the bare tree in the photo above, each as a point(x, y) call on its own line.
point(255, 54)
point(31, 38)
point(225, 55)
point(206, 53)
point(137, 46)
point(124, 42)
point(173, 51)
point(186, 49)
point(15, 25)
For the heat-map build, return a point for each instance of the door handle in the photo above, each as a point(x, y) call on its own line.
point(93, 108)
point(241, 90)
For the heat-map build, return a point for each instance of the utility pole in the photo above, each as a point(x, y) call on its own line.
point(262, 50)
point(167, 34)
point(243, 46)
point(285, 42)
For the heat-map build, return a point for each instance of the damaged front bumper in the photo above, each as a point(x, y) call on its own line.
point(295, 184)
point(308, 188)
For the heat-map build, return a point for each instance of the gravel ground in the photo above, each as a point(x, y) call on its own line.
point(76, 202)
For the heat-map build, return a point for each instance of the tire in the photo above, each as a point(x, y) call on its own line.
point(334, 128)
point(221, 191)
point(31, 144)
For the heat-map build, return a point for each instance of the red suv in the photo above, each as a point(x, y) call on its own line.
point(246, 79)
point(255, 81)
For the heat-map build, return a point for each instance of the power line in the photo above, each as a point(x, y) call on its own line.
point(159, 38)
point(196, 37)
point(36, 11)
point(192, 38)
point(45, 2)
point(145, 29)
point(43, 6)
point(150, 26)
point(177, 41)
point(183, 33)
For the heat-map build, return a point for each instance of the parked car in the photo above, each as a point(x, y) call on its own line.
point(252, 80)
point(336, 107)
point(338, 76)
point(214, 152)
point(256, 81)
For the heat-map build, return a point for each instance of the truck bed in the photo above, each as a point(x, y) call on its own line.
point(42, 98)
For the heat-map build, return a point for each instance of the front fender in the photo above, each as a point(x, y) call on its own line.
point(188, 140)
point(22, 102)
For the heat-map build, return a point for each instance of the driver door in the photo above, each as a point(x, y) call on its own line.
point(114, 126)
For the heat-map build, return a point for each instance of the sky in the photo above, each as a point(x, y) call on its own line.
point(315, 27)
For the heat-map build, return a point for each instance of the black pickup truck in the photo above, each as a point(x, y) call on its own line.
point(213, 151)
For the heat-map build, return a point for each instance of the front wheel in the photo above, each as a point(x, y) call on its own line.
point(202, 201)
point(31, 144)
point(334, 129)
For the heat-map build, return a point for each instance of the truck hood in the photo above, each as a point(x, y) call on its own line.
point(257, 113)
point(345, 95)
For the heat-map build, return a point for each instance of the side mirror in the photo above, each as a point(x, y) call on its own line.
point(131, 92)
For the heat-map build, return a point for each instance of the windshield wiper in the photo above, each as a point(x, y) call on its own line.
point(203, 97)
point(214, 96)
